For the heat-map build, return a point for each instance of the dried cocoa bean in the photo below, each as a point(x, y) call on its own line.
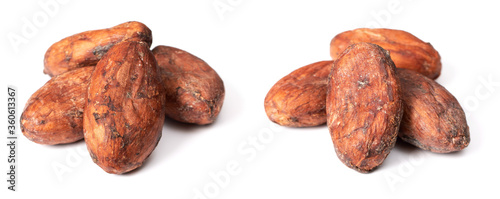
point(54, 113)
point(407, 51)
point(194, 91)
point(299, 99)
point(87, 48)
point(363, 106)
point(124, 113)
point(433, 119)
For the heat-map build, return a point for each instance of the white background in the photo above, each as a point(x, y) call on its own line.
point(252, 45)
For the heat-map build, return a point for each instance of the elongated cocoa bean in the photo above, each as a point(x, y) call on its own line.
point(407, 51)
point(87, 48)
point(54, 113)
point(433, 119)
point(194, 91)
point(363, 106)
point(299, 99)
point(124, 112)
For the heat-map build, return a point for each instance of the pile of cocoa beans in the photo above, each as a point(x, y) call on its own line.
point(109, 88)
point(378, 86)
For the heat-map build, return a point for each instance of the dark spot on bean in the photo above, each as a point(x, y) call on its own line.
point(96, 116)
point(93, 156)
point(113, 107)
point(99, 51)
point(67, 58)
point(114, 132)
point(133, 77)
point(140, 95)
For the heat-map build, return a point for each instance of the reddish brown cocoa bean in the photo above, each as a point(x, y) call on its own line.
point(363, 106)
point(407, 51)
point(87, 48)
point(54, 113)
point(433, 119)
point(194, 91)
point(299, 99)
point(124, 114)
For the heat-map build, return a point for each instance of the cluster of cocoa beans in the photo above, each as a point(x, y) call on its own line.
point(378, 86)
point(109, 88)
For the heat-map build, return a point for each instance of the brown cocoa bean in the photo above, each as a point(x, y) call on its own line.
point(194, 91)
point(299, 99)
point(87, 48)
point(54, 113)
point(407, 51)
point(124, 113)
point(433, 119)
point(363, 106)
